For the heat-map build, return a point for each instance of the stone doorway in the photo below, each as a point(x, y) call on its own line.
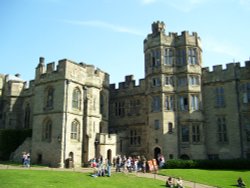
point(157, 152)
point(109, 154)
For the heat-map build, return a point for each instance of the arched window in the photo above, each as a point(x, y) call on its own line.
point(47, 130)
point(75, 130)
point(76, 99)
point(49, 97)
point(27, 116)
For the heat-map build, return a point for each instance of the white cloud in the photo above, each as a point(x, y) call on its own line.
point(105, 25)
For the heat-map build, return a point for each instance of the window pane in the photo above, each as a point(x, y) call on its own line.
point(157, 124)
point(156, 105)
point(168, 56)
point(50, 97)
point(185, 134)
point(76, 99)
point(75, 130)
point(222, 129)
point(47, 130)
point(170, 127)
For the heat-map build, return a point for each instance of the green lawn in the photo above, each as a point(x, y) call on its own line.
point(217, 178)
point(24, 178)
point(40, 178)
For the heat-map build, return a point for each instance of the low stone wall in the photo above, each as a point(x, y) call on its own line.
point(16, 156)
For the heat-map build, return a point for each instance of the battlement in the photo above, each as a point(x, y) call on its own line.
point(177, 35)
point(158, 27)
point(229, 66)
point(158, 37)
point(231, 71)
point(71, 70)
point(129, 83)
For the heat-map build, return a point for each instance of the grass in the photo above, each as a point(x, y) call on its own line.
point(217, 178)
point(23, 178)
point(11, 163)
point(41, 178)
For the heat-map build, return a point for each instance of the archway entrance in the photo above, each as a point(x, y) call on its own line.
point(69, 162)
point(71, 156)
point(109, 154)
point(39, 158)
point(157, 152)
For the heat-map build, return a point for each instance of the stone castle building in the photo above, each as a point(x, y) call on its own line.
point(179, 109)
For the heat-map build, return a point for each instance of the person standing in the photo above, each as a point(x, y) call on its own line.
point(24, 156)
point(108, 163)
point(28, 160)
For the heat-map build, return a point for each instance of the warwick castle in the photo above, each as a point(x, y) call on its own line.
point(178, 109)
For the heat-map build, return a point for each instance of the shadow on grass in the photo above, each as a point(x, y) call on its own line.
point(234, 185)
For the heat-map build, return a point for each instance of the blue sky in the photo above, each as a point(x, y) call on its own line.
point(109, 33)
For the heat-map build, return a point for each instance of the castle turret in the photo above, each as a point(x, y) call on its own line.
point(40, 69)
point(158, 27)
point(172, 76)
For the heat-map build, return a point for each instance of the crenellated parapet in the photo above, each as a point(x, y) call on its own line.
point(77, 72)
point(29, 88)
point(231, 72)
point(158, 37)
point(13, 85)
point(129, 86)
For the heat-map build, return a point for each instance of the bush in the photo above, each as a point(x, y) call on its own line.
point(209, 164)
point(180, 164)
point(224, 164)
point(10, 139)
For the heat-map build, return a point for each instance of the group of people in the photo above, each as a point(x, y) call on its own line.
point(26, 160)
point(122, 164)
point(129, 164)
point(135, 163)
point(171, 182)
point(101, 167)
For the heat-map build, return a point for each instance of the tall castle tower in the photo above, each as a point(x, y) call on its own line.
point(70, 114)
point(173, 92)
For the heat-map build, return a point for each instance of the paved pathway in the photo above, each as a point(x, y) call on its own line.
point(164, 178)
point(139, 174)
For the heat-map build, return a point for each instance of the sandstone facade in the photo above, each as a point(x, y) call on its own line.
point(179, 109)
